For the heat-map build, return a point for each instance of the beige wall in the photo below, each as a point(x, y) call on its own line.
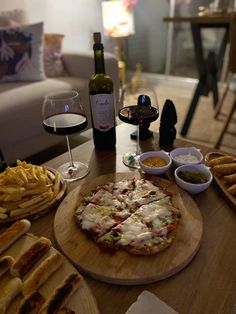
point(12, 4)
point(77, 19)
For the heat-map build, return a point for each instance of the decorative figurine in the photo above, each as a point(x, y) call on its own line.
point(167, 130)
point(144, 102)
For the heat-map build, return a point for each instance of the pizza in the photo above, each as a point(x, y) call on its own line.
point(137, 215)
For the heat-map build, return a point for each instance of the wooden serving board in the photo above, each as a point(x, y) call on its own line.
point(42, 210)
point(220, 180)
point(82, 302)
point(121, 267)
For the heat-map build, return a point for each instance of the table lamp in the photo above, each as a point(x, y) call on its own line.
point(118, 22)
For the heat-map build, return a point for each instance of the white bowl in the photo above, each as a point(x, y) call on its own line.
point(189, 152)
point(155, 170)
point(194, 188)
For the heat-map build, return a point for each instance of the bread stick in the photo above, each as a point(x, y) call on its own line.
point(27, 260)
point(61, 295)
point(31, 303)
point(9, 236)
point(220, 160)
point(231, 178)
point(5, 264)
point(232, 190)
point(225, 169)
point(42, 273)
point(8, 293)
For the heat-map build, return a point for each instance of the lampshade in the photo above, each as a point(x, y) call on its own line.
point(118, 21)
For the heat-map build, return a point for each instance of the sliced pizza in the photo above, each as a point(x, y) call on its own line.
point(98, 219)
point(136, 215)
point(148, 231)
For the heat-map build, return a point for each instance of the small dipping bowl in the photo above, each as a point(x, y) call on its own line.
point(193, 188)
point(186, 156)
point(149, 162)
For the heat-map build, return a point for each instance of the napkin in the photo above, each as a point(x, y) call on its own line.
point(148, 303)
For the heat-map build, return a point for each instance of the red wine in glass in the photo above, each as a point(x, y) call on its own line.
point(63, 114)
point(65, 123)
point(133, 115)
point(140, 114)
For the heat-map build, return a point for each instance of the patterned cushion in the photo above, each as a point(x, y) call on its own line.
point(52, 55)
point(21, 53)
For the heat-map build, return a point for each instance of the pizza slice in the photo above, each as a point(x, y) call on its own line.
point(105, 207)
point(145, 192)
point(124, 233)
point(98, 219)
point(158, 214)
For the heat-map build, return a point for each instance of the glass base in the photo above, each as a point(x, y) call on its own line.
point(131, 160)
point(77, 172)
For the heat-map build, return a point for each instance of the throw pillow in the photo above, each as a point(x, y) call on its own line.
point(21, 53)
point(53, 64)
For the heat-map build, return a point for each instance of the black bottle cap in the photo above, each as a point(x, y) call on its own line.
point(97, 38)
point(144, 100)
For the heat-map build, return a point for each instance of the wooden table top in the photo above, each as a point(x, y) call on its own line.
point(204, 19)
point(208, 283)
point(214, 20)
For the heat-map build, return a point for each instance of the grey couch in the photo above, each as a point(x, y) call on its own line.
point(21, 130)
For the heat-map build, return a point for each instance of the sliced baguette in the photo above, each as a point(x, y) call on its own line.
point(61, 295)
point(9, 236)
point(9, 292)
point(5, 264)
point(31, 303)
point(28, 259)
point(42, 273)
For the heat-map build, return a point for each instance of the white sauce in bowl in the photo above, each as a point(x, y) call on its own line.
point(186, 158)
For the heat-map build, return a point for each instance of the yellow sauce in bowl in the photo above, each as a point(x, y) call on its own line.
point(155, 162)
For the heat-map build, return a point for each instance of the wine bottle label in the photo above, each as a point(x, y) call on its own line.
point(103, 112)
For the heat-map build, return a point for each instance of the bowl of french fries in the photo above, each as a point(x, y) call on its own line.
point(28, 190)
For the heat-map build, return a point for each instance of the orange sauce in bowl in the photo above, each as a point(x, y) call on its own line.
point(155, 162)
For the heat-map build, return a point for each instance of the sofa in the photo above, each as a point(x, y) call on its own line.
point(21, 129)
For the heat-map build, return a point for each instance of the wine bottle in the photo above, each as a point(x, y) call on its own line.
point(102, 100)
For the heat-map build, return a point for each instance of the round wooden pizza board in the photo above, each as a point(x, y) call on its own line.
point(82, 301)
point(121, 267)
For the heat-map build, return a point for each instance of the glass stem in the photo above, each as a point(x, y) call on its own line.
point(69, 151)
point(137, 144)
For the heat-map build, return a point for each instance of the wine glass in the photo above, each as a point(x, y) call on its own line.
point(141, 114)
point(63, 114)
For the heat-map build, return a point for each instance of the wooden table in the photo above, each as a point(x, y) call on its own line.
point(208, 67)
point(208, 283)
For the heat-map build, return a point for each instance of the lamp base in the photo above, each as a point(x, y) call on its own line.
point(122, 72)
point(121, 61)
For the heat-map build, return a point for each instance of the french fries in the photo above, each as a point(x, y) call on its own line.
point(26, 188)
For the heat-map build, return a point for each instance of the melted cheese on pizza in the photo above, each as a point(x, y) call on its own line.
point(136, 229)
point(100, 218)
point(128, 213)
point(130, 229)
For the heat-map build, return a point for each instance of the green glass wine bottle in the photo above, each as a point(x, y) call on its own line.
point(102, 100)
